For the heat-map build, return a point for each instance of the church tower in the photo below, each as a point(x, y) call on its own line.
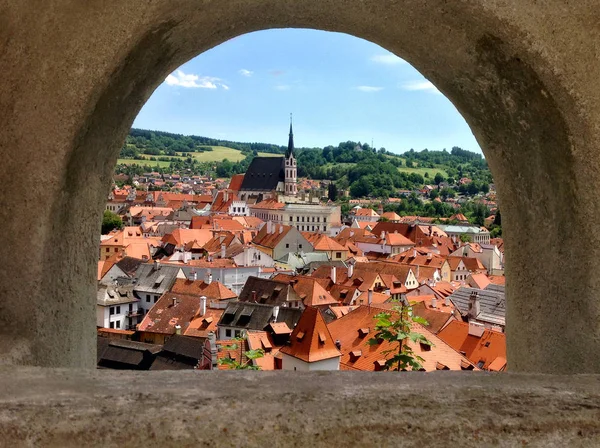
point(291, 176)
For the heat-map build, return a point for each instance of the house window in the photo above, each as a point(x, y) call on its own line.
point(338, 255)
point(228, 333)
point(313, 219)
point(324, 228)
point(112, 325)
point(318, 219)
point(287, 246)
point(299, 246)
point(107, 249)
point(237, 333)
point(303, 219)
point(148, 298)
point(297, 218)
point(118, 310)
point(112, 310)
point(118, 324)
point(291, 218)
point(155, 299)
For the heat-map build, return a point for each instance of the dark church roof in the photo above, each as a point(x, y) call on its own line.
point(290, 149)
point(263, 174)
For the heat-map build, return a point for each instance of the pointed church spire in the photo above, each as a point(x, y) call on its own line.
point(290, 150)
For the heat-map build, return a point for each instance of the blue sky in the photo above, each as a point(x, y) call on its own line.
point(337, 86)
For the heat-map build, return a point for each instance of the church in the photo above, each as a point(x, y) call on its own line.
point(270, 177)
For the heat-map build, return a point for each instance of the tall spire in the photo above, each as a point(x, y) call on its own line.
point(290, 150)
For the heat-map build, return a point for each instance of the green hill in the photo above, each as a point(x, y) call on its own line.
point(364, 171)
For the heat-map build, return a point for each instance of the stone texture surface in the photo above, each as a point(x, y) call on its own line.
point(523, 73)
point(47, 407)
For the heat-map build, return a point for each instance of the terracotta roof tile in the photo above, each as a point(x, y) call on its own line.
point(311, 341)
point(483, 351)
point(346, 330)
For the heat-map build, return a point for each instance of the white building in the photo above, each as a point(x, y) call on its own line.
point(304, 217)
point(311, 346)
point(479, 235)
point(239, 208)
point(117, 307)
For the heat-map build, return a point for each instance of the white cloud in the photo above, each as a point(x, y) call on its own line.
point(369, 88)
point(224, 86)
point(246, 73)
point(282, 87)
point(387, 59)
point(181, 79)
point(415, 86)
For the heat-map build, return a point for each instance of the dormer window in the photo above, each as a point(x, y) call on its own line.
point(355, 354)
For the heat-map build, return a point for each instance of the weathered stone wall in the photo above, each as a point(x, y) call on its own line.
point(524, 75)
point(48, 407)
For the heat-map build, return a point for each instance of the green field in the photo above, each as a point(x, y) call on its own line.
point(218, 154)
point(432, 171)
point(143, 162)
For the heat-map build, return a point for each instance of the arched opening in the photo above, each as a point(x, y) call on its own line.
point(525, 118)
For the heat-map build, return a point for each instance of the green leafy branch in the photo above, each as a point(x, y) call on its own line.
point(396, 328)
point(250, 355)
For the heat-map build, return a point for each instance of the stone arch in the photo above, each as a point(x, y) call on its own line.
point(522, 75)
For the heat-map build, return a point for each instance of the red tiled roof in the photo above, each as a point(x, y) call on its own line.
point(346, 330)
point(213, 291)
point(165, 315)
point(311, 341)
point(271, 240)
point(487, 348)
point(201, 326)
point(180, 237)
point(479, 281)
point(366, 212)
point(236, 182)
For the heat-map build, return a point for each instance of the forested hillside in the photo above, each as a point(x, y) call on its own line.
point(364, 171)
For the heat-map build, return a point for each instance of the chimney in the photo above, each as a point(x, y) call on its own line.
point(275, 313)
point(474, 305)
point(429, 256)
point(174, 301)
point(350, 270)
point(223, 248)
point(202, 305)
point(338, 344)
point(280, 229)
point(193, 276)
point(383, 234)
point(333, 274)
point(208, 278)
point(370, 297)
point(254, 296)
point(433, 302)
point(414, 253)
point(246, 256)
point(156, 265)
point(476, 329)
point(177, 329)
point(212, 339)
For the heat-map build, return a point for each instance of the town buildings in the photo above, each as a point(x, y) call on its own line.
point(200, 278)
